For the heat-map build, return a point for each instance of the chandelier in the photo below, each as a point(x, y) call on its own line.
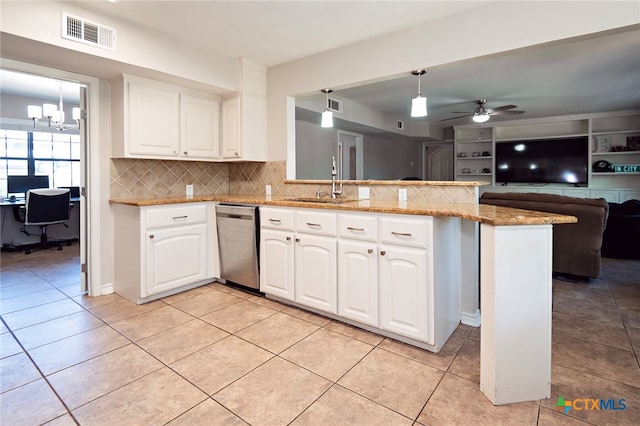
point(54, 114)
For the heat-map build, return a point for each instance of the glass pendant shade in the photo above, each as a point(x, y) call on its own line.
point(419, 106)
point(327, 119)
point(49, 110)
point(480, 118)
point(34, 111)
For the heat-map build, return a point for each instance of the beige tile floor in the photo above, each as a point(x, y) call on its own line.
point(216, 355)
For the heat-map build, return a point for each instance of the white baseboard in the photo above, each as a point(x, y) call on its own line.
point(107, 289)
point(471, 319)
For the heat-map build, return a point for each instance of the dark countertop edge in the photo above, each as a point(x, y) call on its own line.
point(482, 213)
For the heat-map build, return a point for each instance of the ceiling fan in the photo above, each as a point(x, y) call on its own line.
point(482, 114)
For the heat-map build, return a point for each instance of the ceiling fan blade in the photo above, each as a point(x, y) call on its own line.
point(455, 118)
point(503, 108)
point(461, 112)
point(507, 112)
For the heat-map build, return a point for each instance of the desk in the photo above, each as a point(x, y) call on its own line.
point(10, 228)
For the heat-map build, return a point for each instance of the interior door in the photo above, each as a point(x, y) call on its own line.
point(83, 190)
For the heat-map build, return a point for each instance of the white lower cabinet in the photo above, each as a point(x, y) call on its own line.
point(403, 291)
point(315, 272)
point(163, 249)
point(175, 257)
point(398, 275)
point(276, 263)
point(358, 281)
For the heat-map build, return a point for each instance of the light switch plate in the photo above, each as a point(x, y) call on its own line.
point(267, 190)
point(189, 190)
point(363, 192)
point(402, 194)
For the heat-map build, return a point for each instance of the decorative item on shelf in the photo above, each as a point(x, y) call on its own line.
point(626, 168)
point(486, 170)
point(602, 144)
point(476, 154)
point(486, 154)
point(462, 154)
point(602, 166)
point(619, 148)
point(466, 170)
point(633, 143)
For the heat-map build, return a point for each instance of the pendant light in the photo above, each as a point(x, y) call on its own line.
point(419, 103)
point(327, 115)
point(54, 115)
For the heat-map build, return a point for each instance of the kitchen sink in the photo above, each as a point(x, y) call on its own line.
point(321, 200)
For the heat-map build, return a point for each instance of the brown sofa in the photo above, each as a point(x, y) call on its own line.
point(576, 246)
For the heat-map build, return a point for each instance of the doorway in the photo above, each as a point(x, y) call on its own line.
point(350, 156)
point(28, 84)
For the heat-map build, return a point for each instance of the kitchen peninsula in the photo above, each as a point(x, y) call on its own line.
point(515, 276)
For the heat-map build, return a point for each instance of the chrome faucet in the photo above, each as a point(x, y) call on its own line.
point(334, 191)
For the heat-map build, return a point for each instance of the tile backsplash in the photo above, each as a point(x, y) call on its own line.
point(133, 178)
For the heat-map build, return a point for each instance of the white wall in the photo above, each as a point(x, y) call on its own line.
point(504, 26)
point(31, 33)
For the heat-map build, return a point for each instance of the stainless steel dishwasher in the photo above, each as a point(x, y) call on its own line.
point(238, 241)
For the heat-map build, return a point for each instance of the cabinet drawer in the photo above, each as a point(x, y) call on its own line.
point(276, 218)
point(405, 231)
point(175, 215)
point(313, 222)
point(358, 227)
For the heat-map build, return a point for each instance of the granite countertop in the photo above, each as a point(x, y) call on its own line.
point(483, 213)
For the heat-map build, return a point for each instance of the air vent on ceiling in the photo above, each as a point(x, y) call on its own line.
point(84, 31)
point(334, 104)
point(400, 125)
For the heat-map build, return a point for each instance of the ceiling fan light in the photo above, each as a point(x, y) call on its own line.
point(419, 106)
point(480, 118)
point(327, 118)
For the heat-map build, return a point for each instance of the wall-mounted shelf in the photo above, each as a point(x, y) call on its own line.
point(602, 129)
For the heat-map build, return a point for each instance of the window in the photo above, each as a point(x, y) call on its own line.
point(56, 155)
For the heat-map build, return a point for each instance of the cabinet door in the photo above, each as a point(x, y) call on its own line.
point(154, 116)
point(276, 263)
point(175, 257)
point(358, 281)
point(315, 272)
point(231, 128)
point(200, 127)
point(403, 291)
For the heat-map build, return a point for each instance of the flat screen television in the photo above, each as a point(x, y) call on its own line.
point(564, 160)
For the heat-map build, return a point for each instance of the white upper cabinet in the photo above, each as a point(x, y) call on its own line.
point(153, 120)
point(244, 116)
point(244, 128)
point(200, 130)
point(156, 120)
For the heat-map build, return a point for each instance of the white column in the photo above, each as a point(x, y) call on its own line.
point(515, 294)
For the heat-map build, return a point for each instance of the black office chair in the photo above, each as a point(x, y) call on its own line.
point(43, 207)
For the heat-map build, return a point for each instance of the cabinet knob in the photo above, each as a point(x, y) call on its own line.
point(382, 253)
point(288, 238)
point(185, 153)
point(297, 240)
point(370, 251)
point(236, 153)
point(151, 236)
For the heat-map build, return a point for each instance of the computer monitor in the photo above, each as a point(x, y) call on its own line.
point(19, 185)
